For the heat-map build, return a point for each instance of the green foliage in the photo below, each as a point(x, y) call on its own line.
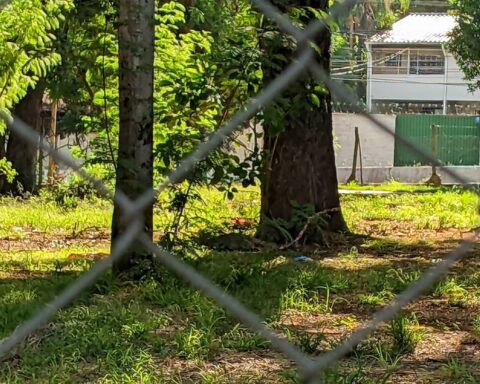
point(27, 52)
point(87, 79)
point(476, 324)
point(459, 372)
point(464, 39)
point(7, 170)
point(26, 46)
point(454, 292)
point(304, 222)
point(387, 358)
point(308, 342)
point(206, 67)
point(405, 334)
point(74, 188)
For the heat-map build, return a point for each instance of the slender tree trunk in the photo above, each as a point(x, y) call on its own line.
point(3, 154)
point(52, 138)
point(299, 160)
point(20, 153)
point(41, 132)
point(135, 150)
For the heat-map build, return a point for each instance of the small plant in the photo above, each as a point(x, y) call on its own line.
point(476, 324)
point(308, 300)
point(355, 376)
point(194, 343)
point(452, 291)
point(212, 377)
point(387, 358)
point(375, 298)
point(348, 321)
point(305, 224)
point(401, 279)
point(242, 339)
point(405, 334)
point(308, 342)
point(458, 372)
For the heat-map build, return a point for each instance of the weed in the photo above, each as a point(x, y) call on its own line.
point(405, 334)
point(348, 321)
point(399, 278)
point(455, 293)
point(308, 342)
point(375, 299)
point(354, 376)
point(308, 300)
point(241, 339)
point(386, 357)
point(458, 372)
point(476, 324)
point(213, 377)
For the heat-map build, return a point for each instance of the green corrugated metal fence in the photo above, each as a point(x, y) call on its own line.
point(458, 139)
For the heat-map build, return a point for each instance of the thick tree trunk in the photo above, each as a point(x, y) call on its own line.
point(135, 150)
point(20, 153)
point(299, 160)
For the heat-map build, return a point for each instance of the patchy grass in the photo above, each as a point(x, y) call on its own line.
point(160, 330)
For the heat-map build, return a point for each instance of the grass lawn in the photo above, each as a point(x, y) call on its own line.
point(159, 330)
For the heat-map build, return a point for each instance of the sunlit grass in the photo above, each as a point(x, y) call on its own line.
point(123, 332)
point(20, 217)
point(443, 208)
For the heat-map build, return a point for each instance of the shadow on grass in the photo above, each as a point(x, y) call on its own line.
point(118, 329)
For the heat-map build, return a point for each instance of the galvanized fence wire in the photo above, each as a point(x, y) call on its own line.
point(311, 369)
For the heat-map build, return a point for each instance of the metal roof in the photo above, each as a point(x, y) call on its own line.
point(419, 28)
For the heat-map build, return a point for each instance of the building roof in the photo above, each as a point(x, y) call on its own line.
point(418, 28)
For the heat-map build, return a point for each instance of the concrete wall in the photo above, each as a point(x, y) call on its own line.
point(377, 145)
point(377, 154)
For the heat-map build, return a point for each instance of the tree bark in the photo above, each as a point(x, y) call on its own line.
point(20, 153)
point(135, 150)
point(299, 160)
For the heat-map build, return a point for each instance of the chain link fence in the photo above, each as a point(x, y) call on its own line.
point(310, 368)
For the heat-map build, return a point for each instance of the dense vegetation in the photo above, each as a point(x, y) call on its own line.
point(464, 44)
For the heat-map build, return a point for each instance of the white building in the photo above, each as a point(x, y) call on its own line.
point(411, 71)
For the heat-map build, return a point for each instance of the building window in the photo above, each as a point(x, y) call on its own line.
point(426, 63)
point(389, 62)
point(394, 60)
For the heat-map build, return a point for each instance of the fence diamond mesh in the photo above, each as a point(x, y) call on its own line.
point(310, 368)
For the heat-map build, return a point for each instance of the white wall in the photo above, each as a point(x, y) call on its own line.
point(455, 75)
point(407, 87)
point(377, 145)
point(422, 87)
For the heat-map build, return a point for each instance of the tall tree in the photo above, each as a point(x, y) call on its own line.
point(464, 42)
point(26, 55)
point(299, 163)
point(21, 154)
point(135, 148)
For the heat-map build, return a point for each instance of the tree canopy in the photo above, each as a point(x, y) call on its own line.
point(465, 38)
